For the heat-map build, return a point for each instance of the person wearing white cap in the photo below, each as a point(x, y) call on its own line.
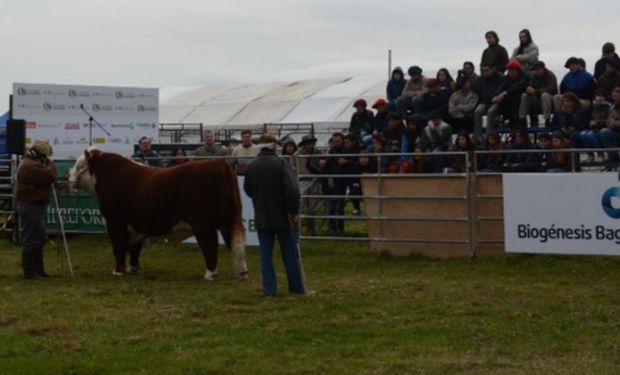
point(35, 176)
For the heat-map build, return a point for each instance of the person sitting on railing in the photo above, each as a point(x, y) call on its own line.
point(570, 118)
point(539, 161)
point(437, 135)
point(145, 154)
point(362, 119)
point(462, 143)
point(492, 162)
point(517, 162)
point(591, 136)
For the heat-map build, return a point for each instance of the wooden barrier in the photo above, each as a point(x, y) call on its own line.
point(444, 197)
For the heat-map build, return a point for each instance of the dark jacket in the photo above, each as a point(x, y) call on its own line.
point(599, 67)
point(34, 181)
point(539, 161)
point(546, 83)
point(487, 88)
point(270, 182)
point(380, 121)
point(608, 81)
point(363, 122)
point(581, 84)
point(147, 158)
point(439, 102)
point(577, 119)
point(395, 88)
point(495, 55)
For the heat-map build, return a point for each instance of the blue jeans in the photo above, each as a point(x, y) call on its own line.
point(591, 139)
point(290, 257)
point(610, 139)
point(335, 207)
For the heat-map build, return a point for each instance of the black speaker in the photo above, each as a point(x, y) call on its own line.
point(16, 136)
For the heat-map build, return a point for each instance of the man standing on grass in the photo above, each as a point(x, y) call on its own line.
point(271, 184)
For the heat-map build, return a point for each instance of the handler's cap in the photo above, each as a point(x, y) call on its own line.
point(267, 138)
point(42, 146)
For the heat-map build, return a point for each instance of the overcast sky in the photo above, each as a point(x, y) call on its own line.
point(164, 43)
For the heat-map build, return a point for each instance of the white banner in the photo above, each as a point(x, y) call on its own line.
point(54, 112)
point(562, 213)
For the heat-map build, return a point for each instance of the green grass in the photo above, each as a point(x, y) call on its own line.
point(366, 314)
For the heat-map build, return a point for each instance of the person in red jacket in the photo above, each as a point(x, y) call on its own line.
point(35, 176)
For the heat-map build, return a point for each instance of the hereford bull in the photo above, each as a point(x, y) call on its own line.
point(138, 201)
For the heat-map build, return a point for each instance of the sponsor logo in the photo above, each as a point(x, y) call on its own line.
point(102, 108)
point(145, 125)
point(609, 196)
point(121, 108)
point(124, 94)
point(122, 126)
point(55, 142)
point(99, 140)
point(47, 107)
point(67, 141)
point(31, 125)
point(72, 126)
point(53, 93)
point(115, 140)
point(75, 94)
point(81, 141)
point(142, 95)
point(49, 126)
point(22, 91)
point(143, 108)
point(28, 106)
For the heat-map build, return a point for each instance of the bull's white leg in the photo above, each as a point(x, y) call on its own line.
point(116, 273)
point(238, 250)
point(210, 276)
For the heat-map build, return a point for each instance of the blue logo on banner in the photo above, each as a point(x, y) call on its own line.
point(612, 212)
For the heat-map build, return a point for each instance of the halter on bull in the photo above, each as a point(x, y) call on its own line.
point(139, 201)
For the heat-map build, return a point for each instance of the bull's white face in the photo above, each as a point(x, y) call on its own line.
point(80, 177)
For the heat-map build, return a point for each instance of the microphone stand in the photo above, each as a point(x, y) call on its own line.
point(91, 119)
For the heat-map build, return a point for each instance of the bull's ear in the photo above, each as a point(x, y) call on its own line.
point(87, 155)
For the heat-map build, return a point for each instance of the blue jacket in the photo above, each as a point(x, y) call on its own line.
point(581, 83)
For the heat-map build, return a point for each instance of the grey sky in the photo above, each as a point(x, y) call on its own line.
point(162, 43)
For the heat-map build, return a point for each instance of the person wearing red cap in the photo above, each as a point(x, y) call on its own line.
point(361, 120)
point(509, 98)
point(380, 120)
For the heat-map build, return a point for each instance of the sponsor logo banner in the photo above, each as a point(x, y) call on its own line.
point(562, 213)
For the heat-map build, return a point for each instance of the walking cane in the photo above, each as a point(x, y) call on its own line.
point(62, 230)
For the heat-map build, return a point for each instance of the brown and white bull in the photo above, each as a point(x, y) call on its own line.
point(138, 201)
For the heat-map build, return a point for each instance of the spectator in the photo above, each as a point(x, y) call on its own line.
point(527, 52)
point(560, 161)
point(352, 146)
point(35, 175)
point(538, 96)
point(245, 152)
point(178, 157)
point(395, 87)
point(488, 86)
point(434, 100)
point(578, 81)
point(461, 107)
point(380, 120)
point(495, 54)
point(570, 119)
point(493, 161)
point(394, 133)
point(210, 147)
point(421, 163)
point(445, 80)
point(308, 185)
point(539, 161)
point(468, 72)
point(377, 148)
point(591, 137)
point(437, 135)
point(415, 128)
point(509, 98)
point(145, 155)
point(609, 52)
point(462, 143)
point(364, 164)
point(270, 184)
point(361, 120)
point(413, 90)
point(289, 148)
point(610, 135)
point(336, 165)
point(517, 162)
point(610, 78)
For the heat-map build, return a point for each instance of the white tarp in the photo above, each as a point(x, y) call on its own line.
point(54, 112)
point(562, 213)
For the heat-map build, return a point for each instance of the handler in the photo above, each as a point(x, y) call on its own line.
point(271, 184)
point(35, 176)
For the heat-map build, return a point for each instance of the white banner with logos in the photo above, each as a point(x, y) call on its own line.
point(562, 213)
point(54, 112)
point(251, 237)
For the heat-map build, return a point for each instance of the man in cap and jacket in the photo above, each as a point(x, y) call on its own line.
point(35, 176)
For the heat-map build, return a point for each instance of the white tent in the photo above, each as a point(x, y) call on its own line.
point(326, 103)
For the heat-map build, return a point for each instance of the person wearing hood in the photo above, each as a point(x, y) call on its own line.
point(395, 87)
point(527, 52)
point(33, 187)
point(271, 184)
point(609, 52)
point(495, 54)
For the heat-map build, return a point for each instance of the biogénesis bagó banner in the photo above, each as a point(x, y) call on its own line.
point(562, 213)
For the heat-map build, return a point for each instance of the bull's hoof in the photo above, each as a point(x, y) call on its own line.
point(210, 276)
point(243, 275)
point(117, 274)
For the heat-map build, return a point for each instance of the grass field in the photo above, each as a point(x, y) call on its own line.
point(366, 314)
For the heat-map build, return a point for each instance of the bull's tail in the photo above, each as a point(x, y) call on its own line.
point(234, 232)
